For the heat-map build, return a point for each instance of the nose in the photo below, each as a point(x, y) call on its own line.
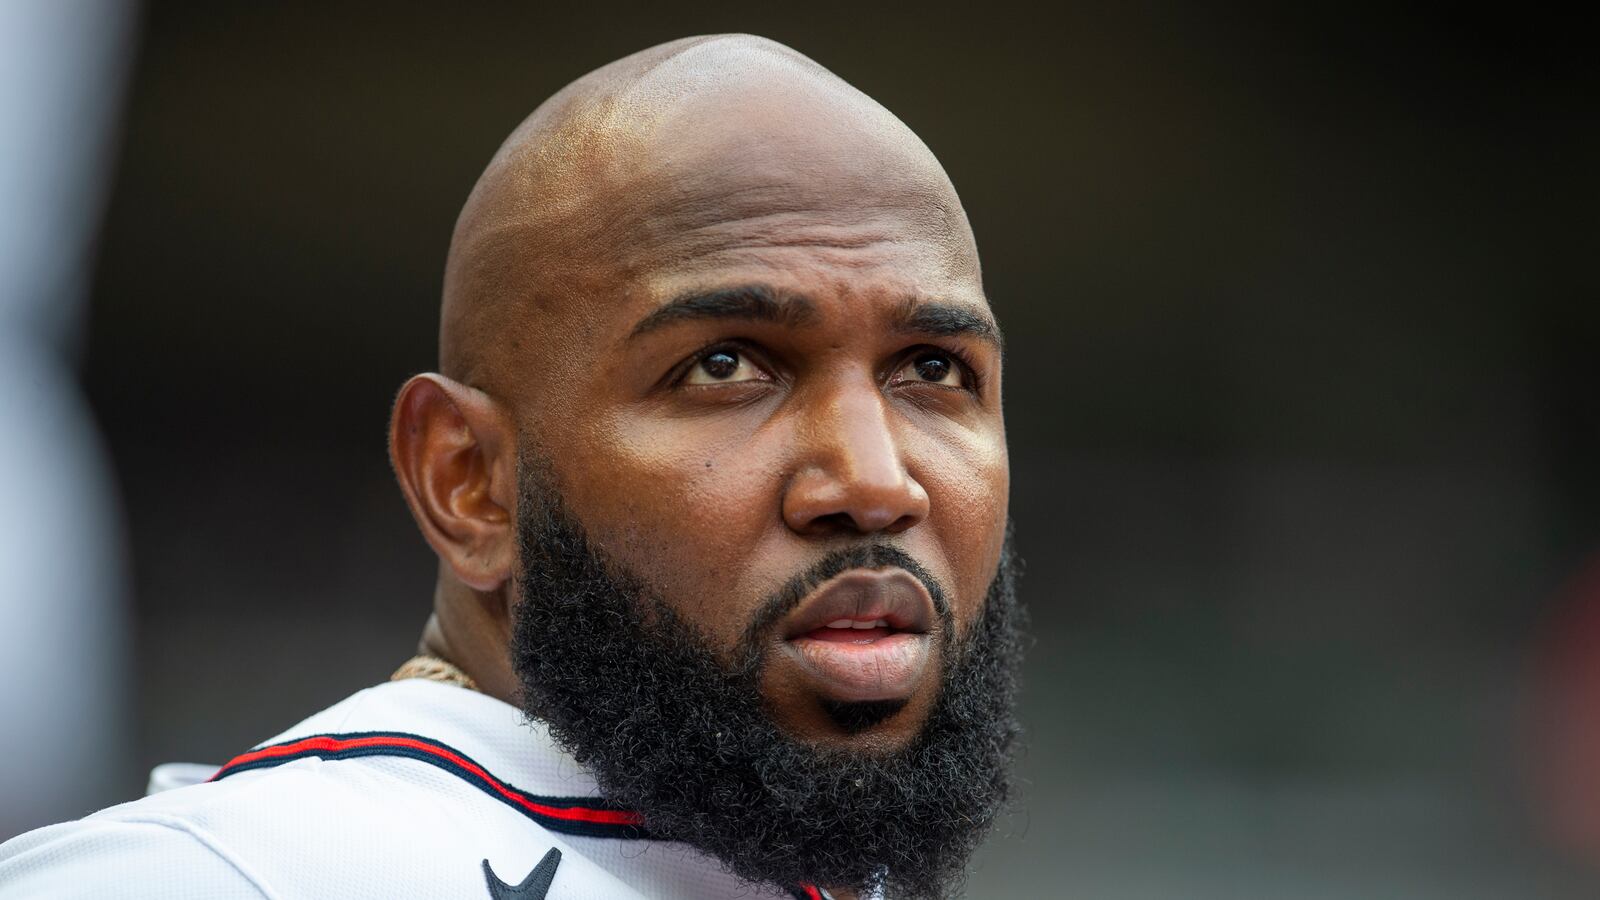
point(851, 475)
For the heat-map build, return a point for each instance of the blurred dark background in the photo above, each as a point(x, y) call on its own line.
point(1302, 331)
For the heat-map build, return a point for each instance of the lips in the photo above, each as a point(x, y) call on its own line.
point(863, 635)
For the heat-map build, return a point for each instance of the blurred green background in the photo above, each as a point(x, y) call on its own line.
point(1301, 391)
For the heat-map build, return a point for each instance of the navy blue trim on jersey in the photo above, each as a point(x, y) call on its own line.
point(584, 816)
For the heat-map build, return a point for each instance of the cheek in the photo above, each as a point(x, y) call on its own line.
point(967, 477)
point(687, 507)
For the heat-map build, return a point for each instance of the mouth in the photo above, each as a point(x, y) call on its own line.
point(863, 635)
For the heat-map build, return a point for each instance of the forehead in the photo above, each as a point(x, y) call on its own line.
point(818, 247)
point(835, 223)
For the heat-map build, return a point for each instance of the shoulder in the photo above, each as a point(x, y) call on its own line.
point(353, 803)
point(140, 856)
point(308, 830)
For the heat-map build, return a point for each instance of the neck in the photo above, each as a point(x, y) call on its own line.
point(472, 631)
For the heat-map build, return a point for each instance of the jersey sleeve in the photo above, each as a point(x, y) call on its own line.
point(139, 859)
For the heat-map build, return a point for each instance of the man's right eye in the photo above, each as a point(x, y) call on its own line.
point(723, 366)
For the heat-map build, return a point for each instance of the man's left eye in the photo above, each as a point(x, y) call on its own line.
point(726, 366)
point(934, 368)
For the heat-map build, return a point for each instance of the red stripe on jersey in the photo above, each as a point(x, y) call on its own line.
point(328, 744)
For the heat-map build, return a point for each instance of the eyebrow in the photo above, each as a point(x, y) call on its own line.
point(762, 304)
point(947, 320)
point(750, 302)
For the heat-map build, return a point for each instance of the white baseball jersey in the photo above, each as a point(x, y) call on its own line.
point(409, 789)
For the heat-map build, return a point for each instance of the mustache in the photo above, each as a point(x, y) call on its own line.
point(862, 556)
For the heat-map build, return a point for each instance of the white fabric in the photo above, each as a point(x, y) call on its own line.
point(370, 827)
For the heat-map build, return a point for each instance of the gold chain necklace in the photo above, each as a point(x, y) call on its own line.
point(434, 669)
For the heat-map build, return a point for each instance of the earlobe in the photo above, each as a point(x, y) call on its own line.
point(453, 452)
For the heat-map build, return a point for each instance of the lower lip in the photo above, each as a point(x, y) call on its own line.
point(870, 664)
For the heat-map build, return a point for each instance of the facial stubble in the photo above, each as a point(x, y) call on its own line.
point(639, 698)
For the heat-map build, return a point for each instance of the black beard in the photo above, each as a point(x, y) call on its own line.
point(636, 695)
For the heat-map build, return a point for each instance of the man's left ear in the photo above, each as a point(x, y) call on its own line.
point(454, 453)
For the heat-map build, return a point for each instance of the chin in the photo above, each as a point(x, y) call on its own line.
point(874, 727)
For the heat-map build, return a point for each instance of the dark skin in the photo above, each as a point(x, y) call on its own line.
point(741, 317)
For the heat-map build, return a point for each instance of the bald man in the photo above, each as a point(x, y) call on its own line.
point(716, 473)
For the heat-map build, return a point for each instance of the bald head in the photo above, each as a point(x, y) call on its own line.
point(669, 162)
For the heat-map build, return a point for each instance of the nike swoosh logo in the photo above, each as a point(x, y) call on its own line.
point(534, 887)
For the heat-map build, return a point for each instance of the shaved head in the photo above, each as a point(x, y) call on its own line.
point(643, 168)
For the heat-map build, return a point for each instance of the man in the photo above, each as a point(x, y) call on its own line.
point(716, 474)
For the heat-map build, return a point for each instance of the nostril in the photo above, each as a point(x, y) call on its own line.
point(854, 523)
point(833, 523)
point(901, 524)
